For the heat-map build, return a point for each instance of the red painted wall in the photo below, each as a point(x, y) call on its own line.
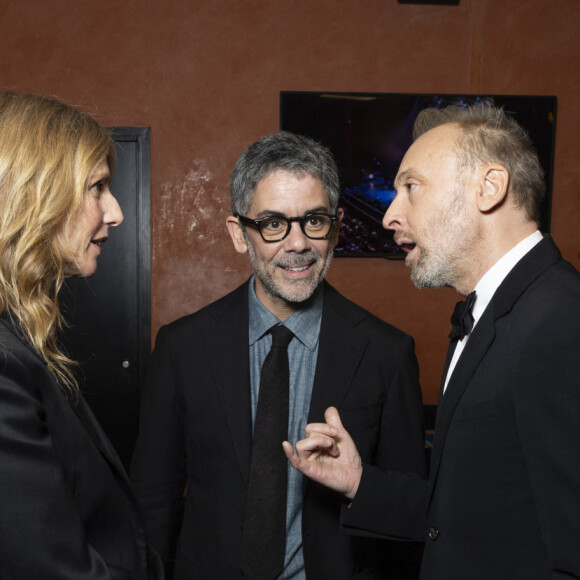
point(206, 76)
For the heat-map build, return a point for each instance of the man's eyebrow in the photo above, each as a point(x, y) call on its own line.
point(401, 177)
point(405, 174)
point(271, 213)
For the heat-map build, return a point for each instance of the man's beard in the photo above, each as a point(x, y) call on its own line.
point(450, 236)
point(301, 290)
point(432, 270)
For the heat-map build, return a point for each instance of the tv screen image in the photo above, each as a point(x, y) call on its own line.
point(369, 133)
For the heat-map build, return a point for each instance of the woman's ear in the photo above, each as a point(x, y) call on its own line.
point(237, 234)
point(494, 187)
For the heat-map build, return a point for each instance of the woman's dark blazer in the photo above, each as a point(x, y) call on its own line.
point(66, 507)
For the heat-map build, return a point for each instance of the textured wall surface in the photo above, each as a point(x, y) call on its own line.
point(205, 75)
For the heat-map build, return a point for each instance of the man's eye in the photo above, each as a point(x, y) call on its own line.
point(314, 221)
point(273, 225)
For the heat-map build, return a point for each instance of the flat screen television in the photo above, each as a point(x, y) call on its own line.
point(368, 133)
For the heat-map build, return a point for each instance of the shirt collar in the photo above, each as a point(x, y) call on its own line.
point(304, 323)
point(491, 280)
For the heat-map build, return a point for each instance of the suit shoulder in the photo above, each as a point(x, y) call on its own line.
point(12, 345)
point(568, 274)
point(558, 285)
point(21, 369)
point(223, 308)
point(360, 318)
point(556, 290)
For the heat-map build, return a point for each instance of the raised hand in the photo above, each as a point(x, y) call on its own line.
point(328, 455)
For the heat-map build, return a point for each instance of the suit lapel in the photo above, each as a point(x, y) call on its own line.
point(85, 415)
point(101, 441)
point(534, 263)
point(79, 407)
point(339, 353)
point(228, 353)
point(448, 358)
point(477, 345)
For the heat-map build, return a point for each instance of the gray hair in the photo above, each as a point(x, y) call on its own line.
point(282, 151)
point(490, 135)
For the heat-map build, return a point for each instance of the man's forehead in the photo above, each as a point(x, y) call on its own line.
point(287, 185)
point(436, 143)
point(442, 135)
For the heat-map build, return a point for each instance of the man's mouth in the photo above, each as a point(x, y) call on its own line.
point(296, 268)
point(406, 244)
point(407, 247)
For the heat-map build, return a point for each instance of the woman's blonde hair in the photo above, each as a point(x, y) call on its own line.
point(48, 152)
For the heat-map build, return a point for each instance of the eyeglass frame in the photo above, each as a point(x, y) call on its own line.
point(300, 219)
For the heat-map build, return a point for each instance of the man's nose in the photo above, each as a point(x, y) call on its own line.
point(296, 240)
point(393, 218)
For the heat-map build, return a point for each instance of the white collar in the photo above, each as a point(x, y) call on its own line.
point(487, 286)
point(491, 280)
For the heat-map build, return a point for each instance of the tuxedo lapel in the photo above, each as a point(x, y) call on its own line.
point(478, 344)
point(228, 353)
point(339, 353)
point(534, 263)
point(448, 358)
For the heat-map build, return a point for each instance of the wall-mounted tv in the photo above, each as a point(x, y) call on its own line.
point(368, 133)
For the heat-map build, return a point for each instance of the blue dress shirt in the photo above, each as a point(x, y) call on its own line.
point(302, 355)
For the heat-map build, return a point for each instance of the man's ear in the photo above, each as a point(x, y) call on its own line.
point(237, 234)
point(494, 183)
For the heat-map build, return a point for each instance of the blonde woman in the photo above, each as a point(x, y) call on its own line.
point(66, 508)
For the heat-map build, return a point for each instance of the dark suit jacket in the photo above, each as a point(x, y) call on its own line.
point(196, 424)
point(66, 508)
point(504, 492)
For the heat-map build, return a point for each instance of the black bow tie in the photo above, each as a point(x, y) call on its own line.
point(462, 319)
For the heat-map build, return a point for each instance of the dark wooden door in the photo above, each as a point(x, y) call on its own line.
point(109, 313)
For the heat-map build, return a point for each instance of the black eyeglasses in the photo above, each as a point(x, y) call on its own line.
point(274, 228)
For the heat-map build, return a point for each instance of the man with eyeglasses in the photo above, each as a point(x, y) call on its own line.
point(204, 407)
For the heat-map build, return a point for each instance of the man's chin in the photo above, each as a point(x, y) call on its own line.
point(422, 279)
point(296, 291)
point(297, 295)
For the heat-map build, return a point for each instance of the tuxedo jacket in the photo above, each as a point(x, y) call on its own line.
point(504, 492)
point(196, 425)
point(66, 507)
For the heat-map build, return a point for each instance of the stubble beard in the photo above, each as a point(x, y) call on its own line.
point(301, 290)
point(451, 235)
point(431, 270)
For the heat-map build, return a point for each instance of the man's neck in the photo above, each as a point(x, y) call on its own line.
point(279, 307)
point(496, 244)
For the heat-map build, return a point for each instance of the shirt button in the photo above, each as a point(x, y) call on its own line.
point(433, 534)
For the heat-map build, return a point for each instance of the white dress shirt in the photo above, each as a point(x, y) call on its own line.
point(487, 286)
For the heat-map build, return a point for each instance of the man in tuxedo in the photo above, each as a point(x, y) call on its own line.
point(504, 491)
point(203, 401)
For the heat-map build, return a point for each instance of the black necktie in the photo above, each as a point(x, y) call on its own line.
point(264, 530)
point(462, 319)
